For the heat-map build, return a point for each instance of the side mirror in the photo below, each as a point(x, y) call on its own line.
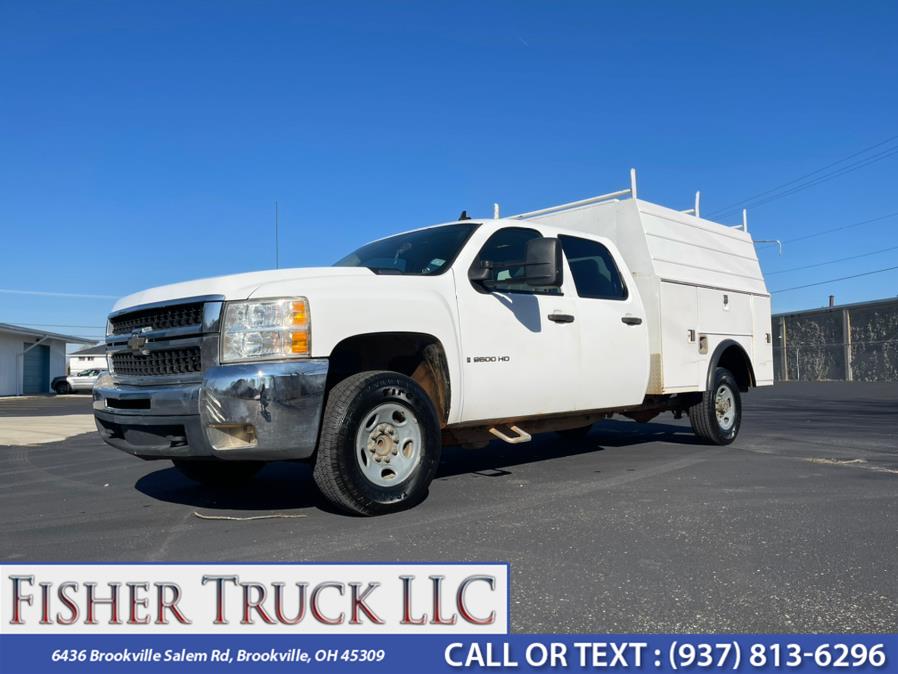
point(480, 272)
point(544, 266)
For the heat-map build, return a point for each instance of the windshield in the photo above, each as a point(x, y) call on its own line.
point(426, 252)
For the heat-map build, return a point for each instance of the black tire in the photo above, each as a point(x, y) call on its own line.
point(62, 388)
point(218, 473)
point(338, 470)
point(575, 434)
point(703, 416)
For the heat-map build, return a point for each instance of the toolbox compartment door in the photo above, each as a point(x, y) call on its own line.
point(679, 337)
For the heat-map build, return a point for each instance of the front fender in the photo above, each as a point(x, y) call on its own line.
point(346, 307)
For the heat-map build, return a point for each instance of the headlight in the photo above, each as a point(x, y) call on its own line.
point(265, 330)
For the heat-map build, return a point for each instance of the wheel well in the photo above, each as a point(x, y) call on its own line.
point(416, 355)
point(734, 359)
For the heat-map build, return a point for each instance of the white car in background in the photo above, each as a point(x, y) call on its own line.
point(81, 382)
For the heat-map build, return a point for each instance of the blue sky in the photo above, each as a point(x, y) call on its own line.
point(146, 143)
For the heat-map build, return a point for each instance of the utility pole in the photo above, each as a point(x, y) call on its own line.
point(277, 253)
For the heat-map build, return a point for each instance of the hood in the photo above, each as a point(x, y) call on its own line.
point(235, 286)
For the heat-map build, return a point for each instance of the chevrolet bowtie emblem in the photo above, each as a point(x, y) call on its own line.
point(136, 342)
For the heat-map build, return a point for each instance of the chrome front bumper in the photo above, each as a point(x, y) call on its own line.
point(264, 411)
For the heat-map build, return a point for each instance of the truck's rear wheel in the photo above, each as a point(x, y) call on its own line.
point(717, 416)
point(218, 473)
point(379, 445)
point(62, 388)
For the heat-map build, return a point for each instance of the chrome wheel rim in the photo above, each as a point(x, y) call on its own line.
point(388, 444)
point(725, 407)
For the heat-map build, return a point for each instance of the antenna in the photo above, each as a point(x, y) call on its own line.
point(495, 211)
point(277, 252)
point(633, 182)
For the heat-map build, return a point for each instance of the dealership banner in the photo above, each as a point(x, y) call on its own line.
point(419, 654)
point(397, 618)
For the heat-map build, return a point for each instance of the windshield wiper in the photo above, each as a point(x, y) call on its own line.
point(385, 270)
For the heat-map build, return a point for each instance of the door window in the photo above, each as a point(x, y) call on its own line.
point(595, 273)
point(506, 252)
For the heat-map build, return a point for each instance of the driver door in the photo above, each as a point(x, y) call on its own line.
point(520, 346)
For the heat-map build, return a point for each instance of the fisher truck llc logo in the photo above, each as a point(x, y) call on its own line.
point(260, 598)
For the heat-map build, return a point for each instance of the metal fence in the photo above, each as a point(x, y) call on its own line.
point(856, 342)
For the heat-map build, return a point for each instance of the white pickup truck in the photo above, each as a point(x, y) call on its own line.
point(460, 333)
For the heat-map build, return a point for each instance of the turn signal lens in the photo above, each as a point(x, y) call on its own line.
point(300, 342)
point(300, 313)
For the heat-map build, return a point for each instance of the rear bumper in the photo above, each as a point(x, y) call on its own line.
point(260, 411)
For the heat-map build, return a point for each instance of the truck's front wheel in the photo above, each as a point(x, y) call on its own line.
point(379, 446)
point(717, 416)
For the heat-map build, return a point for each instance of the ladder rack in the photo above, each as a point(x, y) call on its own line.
point(611, 196)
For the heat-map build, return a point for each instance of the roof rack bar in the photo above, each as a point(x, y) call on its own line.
point(574, 204)
point(695, 210)
point(744, 225)
point(611, 196)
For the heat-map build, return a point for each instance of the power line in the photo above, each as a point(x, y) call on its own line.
point(733, 206)
point(829, 176)
point(823, 264)
point(736, 205)
point(812, 173)
point(839, 229)
point(59, 325)
point(12, 291)
point(833, 280)
point(836, 229)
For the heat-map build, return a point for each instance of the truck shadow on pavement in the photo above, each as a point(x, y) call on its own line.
point(289, 485)
point(495, 459)
point(278, 486)
point(620, 433)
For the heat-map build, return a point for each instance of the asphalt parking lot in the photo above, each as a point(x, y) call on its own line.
point(793, 528)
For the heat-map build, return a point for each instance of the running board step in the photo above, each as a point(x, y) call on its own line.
point(522, 435)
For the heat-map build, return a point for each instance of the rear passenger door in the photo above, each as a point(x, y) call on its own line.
point(614, 342)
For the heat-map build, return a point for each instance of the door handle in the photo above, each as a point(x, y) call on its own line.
point(561, 318)
point(631, 320)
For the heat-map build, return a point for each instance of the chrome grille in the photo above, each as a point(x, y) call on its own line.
point(165, 341)
point(163, 362)
point(162, 318)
